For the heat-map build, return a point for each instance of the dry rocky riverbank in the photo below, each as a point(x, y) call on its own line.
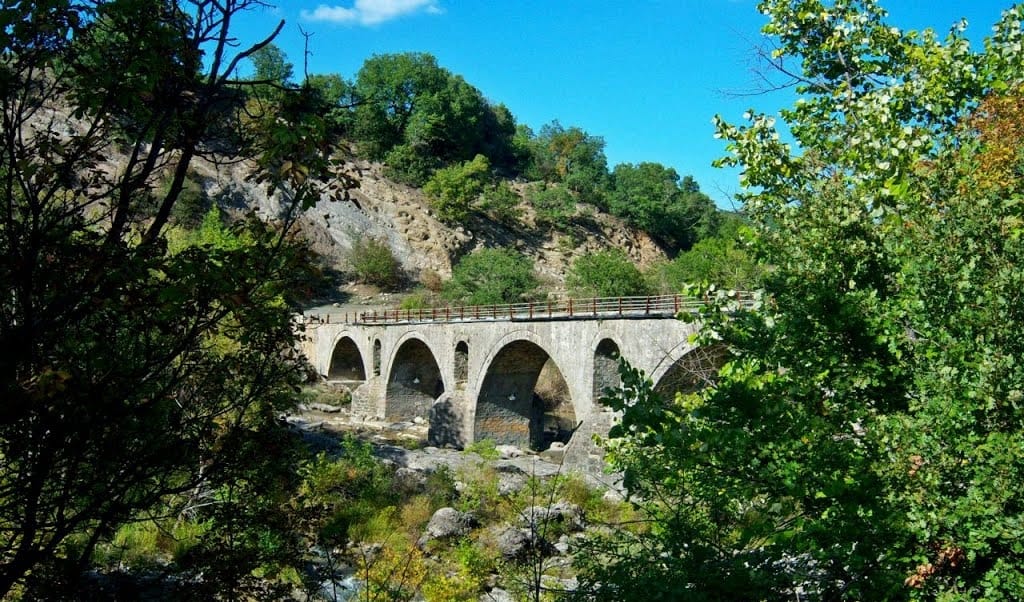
point(543, 531)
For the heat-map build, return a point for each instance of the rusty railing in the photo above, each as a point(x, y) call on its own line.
point(604, 308)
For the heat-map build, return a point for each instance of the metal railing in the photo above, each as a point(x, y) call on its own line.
point(603, 307)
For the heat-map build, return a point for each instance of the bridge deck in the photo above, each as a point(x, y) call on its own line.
point(658, 306)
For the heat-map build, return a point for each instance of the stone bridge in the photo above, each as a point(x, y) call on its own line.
point(528, 375)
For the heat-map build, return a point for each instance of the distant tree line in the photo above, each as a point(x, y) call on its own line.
point(432, 128)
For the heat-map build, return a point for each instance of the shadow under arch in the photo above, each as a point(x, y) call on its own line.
point(346, 361)
point(414, 381)
point(524, 399)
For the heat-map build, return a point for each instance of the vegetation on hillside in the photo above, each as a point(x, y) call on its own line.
point(491, 277)
point(433, 129)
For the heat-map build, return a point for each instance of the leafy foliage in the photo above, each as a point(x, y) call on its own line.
point(722, 260)
point(653, 198)
point(605, 274)
point(568, 156)
point(862, 440)
point(135, 377)
point(554, 205)
point(491, 276)
point(408, 102)
point(453, 190)
point(501, 203)
point(374, 263)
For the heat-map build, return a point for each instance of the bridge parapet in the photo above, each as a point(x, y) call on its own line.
point(655, 306)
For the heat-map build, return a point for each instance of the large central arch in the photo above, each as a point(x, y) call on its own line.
point(523, 400)
point(414, 381)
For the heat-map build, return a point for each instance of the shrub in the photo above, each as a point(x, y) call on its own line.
point(554, 205)
point(374, 263)
point(416, 300)
point(480, 493)
point(605, 274)
point(403, 164)
point(501, 203)
point(491, 276)
point(452, 190)
point(431, 281)
point(715, 260)
point(485, 448)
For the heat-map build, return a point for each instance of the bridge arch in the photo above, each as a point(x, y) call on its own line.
point(687, 369)
point(347, 363)
point(414, 379)
point(523, 398)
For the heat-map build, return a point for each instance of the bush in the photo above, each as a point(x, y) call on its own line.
point(452, 190)
point(605, 274)
point(431, 281)
point(501, 203)
point(715, 260)
point(417, 300)
point(403, 164)
point(491, 277)
point(554, 205)
point(374, 263)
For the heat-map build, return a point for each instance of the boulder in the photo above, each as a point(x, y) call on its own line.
point(515, 543)
point(507, 452)
point(447, 523)
point(566, 516)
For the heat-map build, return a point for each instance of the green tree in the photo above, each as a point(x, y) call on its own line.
point(452, 191)
point(271, 66)
point(389, 87)
point(653, 198)
point(863, 440)
point(491, 276)
point(605, 274)
point(569, 156)
point(338, 96)
point(406, 101)
point(130, 372)
point(554, 204)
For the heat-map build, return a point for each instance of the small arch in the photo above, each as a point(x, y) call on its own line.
point(606, 368)
point(376, 357)
point(346, 362)
point(524, 399)
point(692, 372)
point(414, 381)
point(461, 363)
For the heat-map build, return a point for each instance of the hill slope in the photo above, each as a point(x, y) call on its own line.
point(401, 216)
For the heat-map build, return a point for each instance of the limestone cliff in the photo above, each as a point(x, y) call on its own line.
point(401, 216)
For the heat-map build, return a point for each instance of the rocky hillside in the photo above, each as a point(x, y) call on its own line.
point(401, 216)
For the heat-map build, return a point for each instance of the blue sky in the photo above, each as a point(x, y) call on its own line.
point(646, 75)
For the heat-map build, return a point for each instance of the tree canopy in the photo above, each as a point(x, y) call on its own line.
point(652, 197)
point(136, 379)
point(412, 110)
point(491, 276)
point(605, 274)
point(863, 440)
